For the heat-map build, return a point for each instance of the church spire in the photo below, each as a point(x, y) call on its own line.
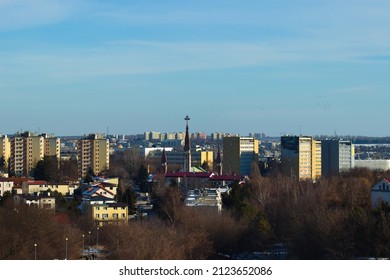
point(187, 136)
point(164, 163)
point(187, 148)
point(218, 162)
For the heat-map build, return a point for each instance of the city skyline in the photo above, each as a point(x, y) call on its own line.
point(78, 67)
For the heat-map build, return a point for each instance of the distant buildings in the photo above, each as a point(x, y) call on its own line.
point(239, 153)
point(373, 164)
point(154, 136)
point(217, 136)
point(301, 157)
point(29, 148)
point(337, 155)
point(308, 159)
point(177, 158)
point(93, 154)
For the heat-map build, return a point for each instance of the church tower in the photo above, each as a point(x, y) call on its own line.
point(164, 163)
point(187, 149)
point(218, 162)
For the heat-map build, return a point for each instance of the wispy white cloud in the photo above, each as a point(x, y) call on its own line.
point(19, 14)
point(148, 57)
point(353, 90)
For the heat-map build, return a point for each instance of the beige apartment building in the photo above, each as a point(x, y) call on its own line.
point(93, 154)
point(239, 153)
point(28, 148)
point(301, 157)
point(5, 148)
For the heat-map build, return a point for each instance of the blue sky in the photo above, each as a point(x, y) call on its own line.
point(275, 66)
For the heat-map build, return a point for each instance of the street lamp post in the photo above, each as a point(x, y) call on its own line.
point(97, 236)
point(35, 251)
point(83, 246)
point(89, 236)
point(66, 248)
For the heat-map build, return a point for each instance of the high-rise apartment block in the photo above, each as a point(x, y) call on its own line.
point(5, 148)
point(93, 154)
point(154, 136)
point(239, 153)
point(28, 148)
point(217, 136)
point(301, 157)
point(337, 156)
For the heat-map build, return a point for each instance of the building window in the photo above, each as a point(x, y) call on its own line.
point(105, 216)
point(97, 216)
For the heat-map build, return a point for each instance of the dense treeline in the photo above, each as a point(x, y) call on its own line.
point(331, 218)
point(328, 219)
point(24, 226)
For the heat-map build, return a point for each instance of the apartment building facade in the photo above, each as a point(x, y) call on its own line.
point(28, 148)
point(301, 157)
point(93, 154)
point(5, 149)
point(239, 153)
point(109, 213)
point(337, 156)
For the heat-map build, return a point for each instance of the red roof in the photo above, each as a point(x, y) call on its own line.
point(188, 175)
point(17, 181)
point(33, 182)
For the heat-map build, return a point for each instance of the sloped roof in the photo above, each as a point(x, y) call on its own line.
point(188, 175)
point(36, 182)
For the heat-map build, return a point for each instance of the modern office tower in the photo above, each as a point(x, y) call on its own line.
point(239, 153)
point(5, 149)
point(337, 155)
point(301, 157)
point(93, 154)
point(28, 148)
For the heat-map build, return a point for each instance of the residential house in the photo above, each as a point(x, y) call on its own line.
point(6, 185)
point(43, 200)
point(32, 186)
point(380, 192)
point(109, 213)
